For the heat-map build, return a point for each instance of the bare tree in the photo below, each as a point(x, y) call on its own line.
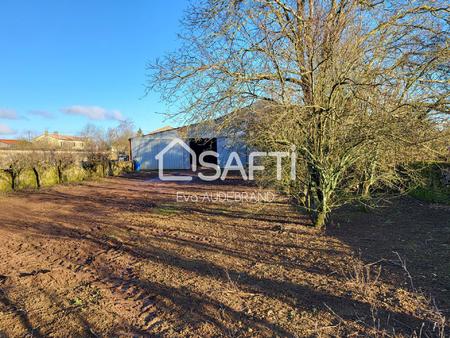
point(28, 136)
point(15, 165)
point(61, 161)
point(38, 161)
point(360, 88)
point(118, 137)
point(95, 138)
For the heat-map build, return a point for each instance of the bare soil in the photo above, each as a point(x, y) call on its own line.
point(123, 257)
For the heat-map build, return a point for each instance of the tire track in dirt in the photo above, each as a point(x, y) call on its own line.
point(72, 266)
point(143, 302)
point(120, 258)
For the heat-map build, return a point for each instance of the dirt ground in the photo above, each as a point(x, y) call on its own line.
point(123, 257)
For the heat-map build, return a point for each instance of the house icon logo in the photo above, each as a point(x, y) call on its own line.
point(160, 158)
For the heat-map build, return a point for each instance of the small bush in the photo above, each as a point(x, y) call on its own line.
point(119, 168)
point(4, 184)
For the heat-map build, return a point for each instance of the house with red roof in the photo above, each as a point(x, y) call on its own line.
point(4, 143)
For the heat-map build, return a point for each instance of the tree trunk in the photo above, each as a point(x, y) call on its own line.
point(321, 211)
point(110, 169)
point(60, 178)
point(13, 180)
point(318, 201)
point(36, 176)
point(319, 220)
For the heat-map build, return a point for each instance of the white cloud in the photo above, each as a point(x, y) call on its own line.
point(42, 113)
point(5, 130)
point(94, 113)
point(9, 114)
point(116, 115)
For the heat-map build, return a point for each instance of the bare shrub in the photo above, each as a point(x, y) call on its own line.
point(15, 164)
point(364, 277)
point(38, 161)
point(61, 161)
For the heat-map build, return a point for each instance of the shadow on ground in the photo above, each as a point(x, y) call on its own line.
point(125, 257)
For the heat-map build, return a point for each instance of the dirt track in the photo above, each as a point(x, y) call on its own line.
point(123, 257)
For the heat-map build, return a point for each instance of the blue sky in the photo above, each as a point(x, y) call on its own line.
point(66, 63)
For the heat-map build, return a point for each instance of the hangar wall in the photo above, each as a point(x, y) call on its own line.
point(145, 148)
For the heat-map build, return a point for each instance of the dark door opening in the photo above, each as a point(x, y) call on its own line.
point(199, 145)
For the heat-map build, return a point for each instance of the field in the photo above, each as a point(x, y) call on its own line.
point(123, 257)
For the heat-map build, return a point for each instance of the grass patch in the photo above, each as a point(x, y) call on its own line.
point(166, 210)
point(436, 186)
point(431, 195)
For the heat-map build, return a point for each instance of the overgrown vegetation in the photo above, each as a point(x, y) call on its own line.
point(359, 88)
point(435, 185)
point(35, 164)
point(34, 169)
